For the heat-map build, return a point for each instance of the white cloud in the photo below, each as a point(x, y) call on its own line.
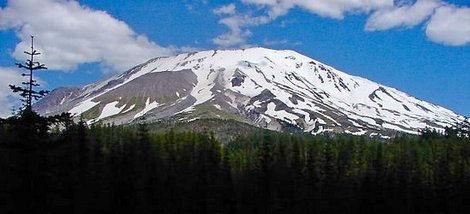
point(225, 9)
point(237, 34)
point(450, 25)
point(8, 99)
point(408, 15)
point(238, 24)
point(69, 34)
point(327, 8)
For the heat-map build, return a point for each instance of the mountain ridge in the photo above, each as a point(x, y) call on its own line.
point(264, 87)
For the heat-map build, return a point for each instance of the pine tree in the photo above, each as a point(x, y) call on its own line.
point(264, 173)
point(27, 92)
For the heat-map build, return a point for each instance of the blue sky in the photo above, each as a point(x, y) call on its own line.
point(419, 47)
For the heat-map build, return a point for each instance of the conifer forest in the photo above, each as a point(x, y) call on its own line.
point(80, 168)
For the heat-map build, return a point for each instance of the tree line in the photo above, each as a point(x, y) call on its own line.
point(78, 168)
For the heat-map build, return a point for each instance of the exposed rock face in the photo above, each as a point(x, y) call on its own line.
point(268, 88)
point(58, 100)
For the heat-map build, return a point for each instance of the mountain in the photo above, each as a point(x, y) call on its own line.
point(273, 89)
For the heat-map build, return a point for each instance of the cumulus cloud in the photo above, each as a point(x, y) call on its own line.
point(408, 15)
point(450, 25)
point(236, 23)
point(69, 34)
point(8, 99)
point(327, 8)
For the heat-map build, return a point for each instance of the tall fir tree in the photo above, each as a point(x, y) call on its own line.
point(27, 92)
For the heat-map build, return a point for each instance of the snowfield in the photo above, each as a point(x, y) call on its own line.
point(266, 87)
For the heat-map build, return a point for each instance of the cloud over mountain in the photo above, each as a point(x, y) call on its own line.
point(408, 15)
point(450, 25)
point(383, 15)
point(327, 8)
point(69, 34)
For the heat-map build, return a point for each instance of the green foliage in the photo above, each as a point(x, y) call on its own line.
point(117, 169)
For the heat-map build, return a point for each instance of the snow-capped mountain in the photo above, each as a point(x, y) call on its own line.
point(268, 88)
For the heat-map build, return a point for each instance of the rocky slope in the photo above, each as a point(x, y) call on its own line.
point(274, 89)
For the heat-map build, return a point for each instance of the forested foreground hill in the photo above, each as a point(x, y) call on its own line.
point(116, 169)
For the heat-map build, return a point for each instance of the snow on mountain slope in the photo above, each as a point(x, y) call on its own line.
point(269, 88)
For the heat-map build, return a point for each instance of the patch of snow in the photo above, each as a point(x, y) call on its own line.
point(361, 132)
point(330, 118)
point(394, 127)
point(129, 109)
point(62, 101)
point(283, 115)
point(257, 104)
point(321, 121)
point(110, 109)
point(321, 129)
point(148, 106)
point(385, 137)
point(83, 107)
point(363, 118)
point(187, 110)
point(265, 118)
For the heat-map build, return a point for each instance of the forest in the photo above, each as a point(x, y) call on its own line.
point(55, 165)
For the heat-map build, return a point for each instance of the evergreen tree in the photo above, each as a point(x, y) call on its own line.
point(264, 173)
point(27, 92)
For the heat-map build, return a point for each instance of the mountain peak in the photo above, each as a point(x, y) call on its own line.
point(268, 88)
